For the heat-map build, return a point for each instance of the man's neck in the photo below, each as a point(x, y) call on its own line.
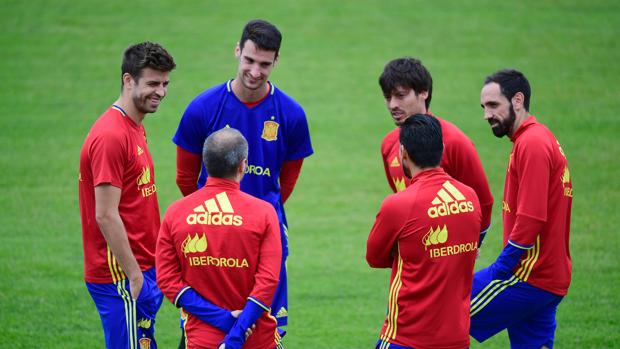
point(415, 170)
point(519, 119)
point(246, 95)
point(132, 112)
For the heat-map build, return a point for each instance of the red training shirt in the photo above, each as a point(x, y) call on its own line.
point(225, 244)
point(428, 234)
point(460, 160)
point(538, 185)
point(115, 152)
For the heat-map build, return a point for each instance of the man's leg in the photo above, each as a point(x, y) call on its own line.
point(279, 305)
point(127, 323)
point(538, 331)
point(500, 304)
point(117, 315)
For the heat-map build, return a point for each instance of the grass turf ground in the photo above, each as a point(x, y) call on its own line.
point(60, 70)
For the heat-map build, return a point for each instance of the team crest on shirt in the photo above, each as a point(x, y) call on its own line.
point(270, 130)
point(145, 343)
point(566, 183)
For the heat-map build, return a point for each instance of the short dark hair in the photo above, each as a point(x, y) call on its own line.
point(422, 138)
point(146, 55)
point(223, 151)
point(510, 82)
point(262, 33)
point(407, 72)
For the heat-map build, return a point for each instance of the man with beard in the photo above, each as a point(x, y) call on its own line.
point(274, 125)
point(118, 203)
point(408, 89)
point(521, 290)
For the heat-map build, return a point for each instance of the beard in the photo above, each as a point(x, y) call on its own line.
point(503, 127)
point(143, 104)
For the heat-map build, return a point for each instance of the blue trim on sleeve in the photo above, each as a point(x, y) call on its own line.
point(176, 299)
point(259, 303)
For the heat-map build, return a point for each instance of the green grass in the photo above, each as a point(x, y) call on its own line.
point(60, 70)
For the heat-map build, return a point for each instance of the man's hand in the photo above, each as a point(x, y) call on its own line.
point(236, 313)
point(135, 285)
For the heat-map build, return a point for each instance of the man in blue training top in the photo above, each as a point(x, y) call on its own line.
point(274, 125)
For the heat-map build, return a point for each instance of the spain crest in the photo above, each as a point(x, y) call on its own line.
point(145, 343)
point(270, 130)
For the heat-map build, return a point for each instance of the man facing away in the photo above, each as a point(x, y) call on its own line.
point(431, 255)
point(521, 290)
point(273, 123)
point(118, 203)
point(219, 250)
point(408, 89)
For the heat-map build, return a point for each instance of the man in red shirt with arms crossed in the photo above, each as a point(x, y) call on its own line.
point(430, 247)
point(118, 203)
point(219, 250)
point(521, 290)
point(408, 89)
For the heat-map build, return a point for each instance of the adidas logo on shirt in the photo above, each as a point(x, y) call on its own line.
point(215, 211)
point(449, 200)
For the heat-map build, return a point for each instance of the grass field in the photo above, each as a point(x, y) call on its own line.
point(60, 70)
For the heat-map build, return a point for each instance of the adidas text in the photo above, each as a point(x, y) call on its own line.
point(216, 218)
point(446, 209)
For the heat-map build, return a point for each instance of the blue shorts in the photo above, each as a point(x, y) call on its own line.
point(128, 324)
point(527, 312)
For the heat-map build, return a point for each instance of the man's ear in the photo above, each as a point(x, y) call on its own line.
point(128, 80)
point(517, 101)
point(424, 95)
point(237, 51)
point(242, 166)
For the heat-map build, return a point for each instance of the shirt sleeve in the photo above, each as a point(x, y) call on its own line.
point(167, 264)
point(270, 257)
point(533, 163)
point(298, 144)
point(188, 171)
point(386, 166)
point(465, 166)
point(525, 231)
point(192, 130)
point(288, 177)
point(383, 236)
point(108, 154)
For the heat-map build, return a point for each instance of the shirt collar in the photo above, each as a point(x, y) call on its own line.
point(531, 120)
point(222, 183)
point(431, 172)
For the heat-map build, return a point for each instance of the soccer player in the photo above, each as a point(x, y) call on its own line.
point(431, 254)
point(272, 122)
point(219, 249)
point(521, 290)
point(408, 89)
point(118, 203)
